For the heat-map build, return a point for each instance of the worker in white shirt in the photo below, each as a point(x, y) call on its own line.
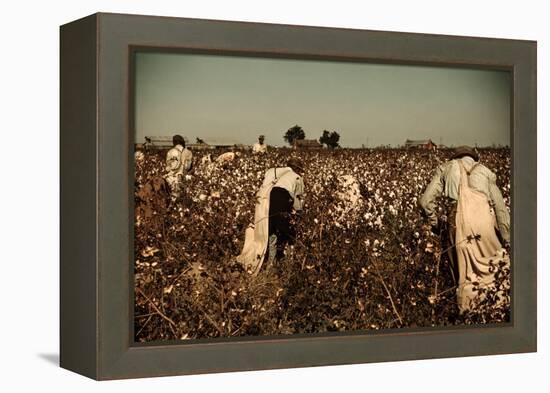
point(479, 224)
point(260, 147)
point(179, 160)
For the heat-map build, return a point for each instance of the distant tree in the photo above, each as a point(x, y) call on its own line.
point(294, 133)
point(330, 139)
point(324, 138)
point(199, 140)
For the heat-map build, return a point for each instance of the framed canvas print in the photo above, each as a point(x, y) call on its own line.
point(242, 196)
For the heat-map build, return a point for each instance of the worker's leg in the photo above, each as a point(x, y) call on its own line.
point(272, 248)
point(280, 205)
point(451, 249)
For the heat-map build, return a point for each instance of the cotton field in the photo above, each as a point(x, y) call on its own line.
point(364, 258)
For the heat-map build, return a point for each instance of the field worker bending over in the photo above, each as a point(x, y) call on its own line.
point(480, 215)
point(226, 158)
point(178, 162)
point(280, 195)
point(260, 147)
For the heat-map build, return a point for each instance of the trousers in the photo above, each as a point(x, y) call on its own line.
point(281, 230)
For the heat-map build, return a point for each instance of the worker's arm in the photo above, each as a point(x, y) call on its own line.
point(187, 159)
point(501, 212)
point(299, 194)
point(434, 190)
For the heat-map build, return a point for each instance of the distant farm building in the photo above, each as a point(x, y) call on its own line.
point(307, 144)
point(220, 144)
point(165, 142)
point(420, 144)
point(211, 146)
point(241, 146)
point(200, 146)
point(159, 142)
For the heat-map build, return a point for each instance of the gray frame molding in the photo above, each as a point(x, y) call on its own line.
point(96, 183)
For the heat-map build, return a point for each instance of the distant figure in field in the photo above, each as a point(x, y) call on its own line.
point(179, 160)
point(477, 220)
point(148, 143)
point(259, 147)
point(226, 157)
point(279, 197)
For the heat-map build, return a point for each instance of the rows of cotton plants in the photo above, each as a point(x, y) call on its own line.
point(363, 258)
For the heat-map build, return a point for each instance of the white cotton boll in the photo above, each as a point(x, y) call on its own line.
point(139, 156)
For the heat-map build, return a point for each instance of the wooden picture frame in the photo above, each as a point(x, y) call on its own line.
point(96, 191)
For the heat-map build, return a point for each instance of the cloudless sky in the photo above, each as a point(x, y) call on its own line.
point(234, 99)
